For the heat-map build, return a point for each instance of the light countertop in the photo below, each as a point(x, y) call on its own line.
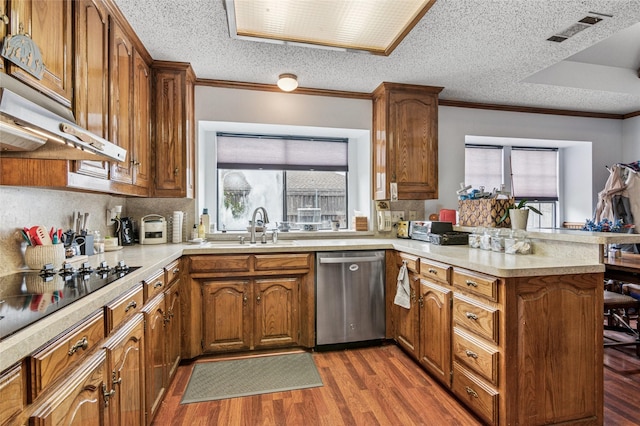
point(152, 258)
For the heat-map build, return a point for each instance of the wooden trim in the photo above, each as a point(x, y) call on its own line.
point(273, 88)
point(631, 114)
point(408, 29)
point(115, 11)
point(531, 110)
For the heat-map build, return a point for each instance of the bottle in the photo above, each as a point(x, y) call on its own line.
point(194, 232)
point(201, 232)
point(206, 220)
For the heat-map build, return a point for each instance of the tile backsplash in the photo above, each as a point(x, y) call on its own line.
point(22, 206)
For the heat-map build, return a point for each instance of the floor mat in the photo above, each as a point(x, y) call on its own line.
point(252, 376)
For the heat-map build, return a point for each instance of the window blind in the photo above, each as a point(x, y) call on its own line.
point(535, 173)
point(235, 151)
point(483, 166)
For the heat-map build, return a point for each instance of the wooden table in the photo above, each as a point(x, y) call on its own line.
point(625, 268)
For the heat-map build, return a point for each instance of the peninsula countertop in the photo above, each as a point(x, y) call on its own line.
point(152, 258)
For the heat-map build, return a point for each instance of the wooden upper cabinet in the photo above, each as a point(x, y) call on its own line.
point(49, 24)
point(140, 157)
point(174, 130)
point(405, 142)
point(120, 106)
point(91, 99)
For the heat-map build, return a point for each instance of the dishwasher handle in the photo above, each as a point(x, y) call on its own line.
point(349, 259)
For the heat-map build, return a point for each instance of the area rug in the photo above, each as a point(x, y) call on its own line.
point(216, 380)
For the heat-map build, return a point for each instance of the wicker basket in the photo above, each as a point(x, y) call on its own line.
point(37, 256)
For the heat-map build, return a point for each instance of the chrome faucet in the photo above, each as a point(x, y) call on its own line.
point(265, 220)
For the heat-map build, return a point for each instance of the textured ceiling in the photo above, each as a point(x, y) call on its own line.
point(478, 50)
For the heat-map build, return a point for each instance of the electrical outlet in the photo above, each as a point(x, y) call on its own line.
point(413, 215)
point(397, 216)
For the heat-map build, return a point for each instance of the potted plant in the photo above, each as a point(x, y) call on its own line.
point(519, 214)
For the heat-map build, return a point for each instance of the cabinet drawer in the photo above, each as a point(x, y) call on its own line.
point(154, 285)
point(476, 355)
point(476, 317)
point(413, 262)
point(478, 396)
point(12, 394)
point(172, 271)
point(473, 282)
point(51, 361)
point(223, 263)
point(435, 271)
point(123, 307)
point(268, 262)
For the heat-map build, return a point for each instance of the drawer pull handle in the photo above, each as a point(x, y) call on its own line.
point(471, 283)
point(131, 305)
point(471, 315)
point(107, 394)
point(157, 284)
point(433, 271)
point(80, 344)
point(471, 354)
point(471, 391)
point(175, 271)
point(114, 380)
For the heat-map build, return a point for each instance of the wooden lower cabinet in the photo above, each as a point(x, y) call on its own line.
point(173, 326)
point(407, 321)
point(250, 314)
point(435, 330)
point(12, 394)
point(81, 398)
point(126, 360)
point(155, 357)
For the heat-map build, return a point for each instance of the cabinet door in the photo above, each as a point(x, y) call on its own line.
point(48, 23)
point(435, 330)
point(276, 319)
point(173, 330)
point(227, 316)
point(81, 398)
point(91, 94)
point(414, 166)
point(407, 323)
point(12, 394)
point(120, 105)
point(126, 370)
point(155, 341)
point(140, 157)
point(174, 131)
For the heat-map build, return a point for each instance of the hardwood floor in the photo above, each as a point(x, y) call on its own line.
point(378, 386)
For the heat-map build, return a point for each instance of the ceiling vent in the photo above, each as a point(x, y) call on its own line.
point(581, 25)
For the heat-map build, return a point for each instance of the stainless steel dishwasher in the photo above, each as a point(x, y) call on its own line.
point(349, 297)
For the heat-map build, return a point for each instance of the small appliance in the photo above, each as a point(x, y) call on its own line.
point(124, 230)
point(153, 229)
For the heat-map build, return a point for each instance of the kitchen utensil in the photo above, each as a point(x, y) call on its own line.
point(45, 240)
point(25, 235)
point(85, 222)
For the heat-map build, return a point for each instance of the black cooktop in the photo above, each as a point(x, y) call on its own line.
point(27, 297)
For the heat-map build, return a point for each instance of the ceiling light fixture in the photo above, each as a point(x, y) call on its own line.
point(287, 82)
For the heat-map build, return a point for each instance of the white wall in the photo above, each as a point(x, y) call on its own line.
point(631, 140)
point(455, 123)
point(611, 140)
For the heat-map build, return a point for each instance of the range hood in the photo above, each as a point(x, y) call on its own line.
point(34, 126)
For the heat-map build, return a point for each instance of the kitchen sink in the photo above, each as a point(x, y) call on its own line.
point(235, 244)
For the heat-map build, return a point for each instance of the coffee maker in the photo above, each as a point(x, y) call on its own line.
point(124, 230)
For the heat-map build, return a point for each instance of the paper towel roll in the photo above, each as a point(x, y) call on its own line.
point(177, 227)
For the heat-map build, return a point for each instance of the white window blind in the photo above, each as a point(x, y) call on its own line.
point(483, 166)
point(535, 173)
point(281, 153)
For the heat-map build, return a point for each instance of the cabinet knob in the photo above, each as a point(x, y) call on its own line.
point(245, 299)
point(175, 171)
point(135, 162)
point(114, 380)
point(258, 299)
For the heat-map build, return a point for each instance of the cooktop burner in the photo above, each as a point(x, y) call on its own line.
point(26, 297)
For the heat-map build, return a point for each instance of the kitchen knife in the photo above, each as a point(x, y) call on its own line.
point(86, 223)
point(74, 224)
